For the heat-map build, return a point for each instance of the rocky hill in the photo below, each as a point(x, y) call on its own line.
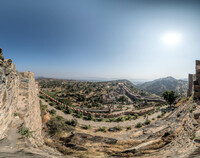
point(161, 85)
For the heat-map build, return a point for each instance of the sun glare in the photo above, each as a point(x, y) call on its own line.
point(171, 38)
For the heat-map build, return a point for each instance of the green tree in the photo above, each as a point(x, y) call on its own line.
point(123, 99)
point(169, 96)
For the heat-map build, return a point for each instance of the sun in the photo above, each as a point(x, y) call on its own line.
point(171, 38)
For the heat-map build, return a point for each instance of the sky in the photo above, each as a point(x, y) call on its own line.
point(121, 39)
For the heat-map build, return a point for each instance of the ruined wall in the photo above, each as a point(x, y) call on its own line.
point(9, 92)
point(191, 79)
point(197, 81)
point(19, 97)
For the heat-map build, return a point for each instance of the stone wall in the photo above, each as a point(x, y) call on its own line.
point(19, 98)
point(191, 79)
point(9, 92)
point(197, 81)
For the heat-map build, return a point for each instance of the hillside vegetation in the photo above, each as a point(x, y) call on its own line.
point(88, 94)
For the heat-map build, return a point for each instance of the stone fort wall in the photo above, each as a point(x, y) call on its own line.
point(19, 101)
point(197, 81)
point(194, 82)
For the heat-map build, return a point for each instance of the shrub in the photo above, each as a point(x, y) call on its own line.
point(89, 117)
point(25, 132)
point(79, 114)
point(158, 108)
point(163, 113)
point(86, 127)
point(102, 129)
point(89, 106)
point(136, 116)
point(159, 116)
point(60, 107)
point(42, 96)
point(147, 122)
point(68, 111)
point(111, 120)
point(51, 104)
point(52, 112)
point(150, 113)
point(72, 122)
point(16, 114)
point(138, 125)
point(59, 118)
point(128, 117)
point(115, 129)
point(56, 126)
point(100, 119)
point(120, 119)
point(129, 128)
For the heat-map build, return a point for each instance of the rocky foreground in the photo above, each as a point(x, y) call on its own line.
point(176, 135)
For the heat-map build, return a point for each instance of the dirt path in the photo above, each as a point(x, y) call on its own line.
point(101, 124)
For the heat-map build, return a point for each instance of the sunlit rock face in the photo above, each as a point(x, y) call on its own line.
point(19, 98)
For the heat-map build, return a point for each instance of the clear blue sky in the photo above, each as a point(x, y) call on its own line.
point(101, 38)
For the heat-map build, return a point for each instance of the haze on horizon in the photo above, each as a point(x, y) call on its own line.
point(77, 39)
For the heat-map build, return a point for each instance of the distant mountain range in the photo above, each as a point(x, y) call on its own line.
point(163, 84)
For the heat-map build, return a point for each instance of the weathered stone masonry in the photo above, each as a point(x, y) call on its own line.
point(19, 96)
point(194, 82)
point(191, 79)
point(197, 81)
